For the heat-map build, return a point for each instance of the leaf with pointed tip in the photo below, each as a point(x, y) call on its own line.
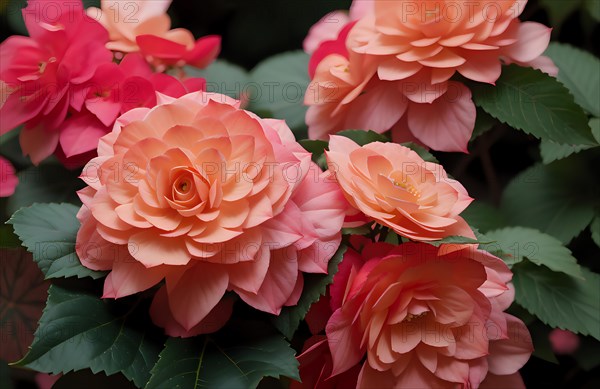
point(537, 247)
point(552, 151)
point(49, 231)
point(79, 330)
point(535, 103)
point(578, 71)
point(558, 299)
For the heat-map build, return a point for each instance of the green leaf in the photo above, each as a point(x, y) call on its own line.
point(362, 137)
point(558, 299)
point(483, 123)
point(278, 86)
point(557, 199)
point(536, 103)
point(360, 230)
point(422, 152)
point(45, 184)
point(79, 330)
point(223, 77)
point(202, 363)
point(316, 147)
point(578, 71)
point(315, 286)
point(552, 151)
point(595, 229)
point(455, 240)
point(537, 247)
point(483, 216)
point(49, 231)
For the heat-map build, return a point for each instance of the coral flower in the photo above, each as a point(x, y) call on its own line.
point(394, 186)
point(426, 318)
point(212, 199)
point(416, 47)
point(144, 26)
point(41, 75)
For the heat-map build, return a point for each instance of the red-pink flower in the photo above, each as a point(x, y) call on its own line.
point(144, 26)
point(112, 91)
point(210, 198)
point(40, 74)
point(415, 48)
point(415, 316)
point(392, 185)
point(8, 179)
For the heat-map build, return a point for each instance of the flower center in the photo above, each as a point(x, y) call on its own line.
point(42, 65)
point(409, 188)
point(410, 317)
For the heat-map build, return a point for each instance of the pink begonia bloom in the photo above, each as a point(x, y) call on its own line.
point(144, 26)
point(426, 317)
point(40, 75)
point(113, 90)
point(8, 179)
point(416, 47)
point(563, 341)
point(210, 198)
point(330, 25)
point(394, 186)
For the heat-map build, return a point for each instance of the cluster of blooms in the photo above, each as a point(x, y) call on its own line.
point(411, 315)
point(389, 64)
point(209, 203)
point(80, 69)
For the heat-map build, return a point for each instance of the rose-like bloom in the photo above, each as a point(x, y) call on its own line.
point(394, 186)
point(416, 47)
point(40, 75)
point(426, 318)
point(144, 26)
point(210, 198)
point(8, 179)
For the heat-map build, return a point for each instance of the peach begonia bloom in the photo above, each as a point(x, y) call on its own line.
point(417, 46)
point(212, 199)
point(426, 318)
point(394, 186)
point(144, 26)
